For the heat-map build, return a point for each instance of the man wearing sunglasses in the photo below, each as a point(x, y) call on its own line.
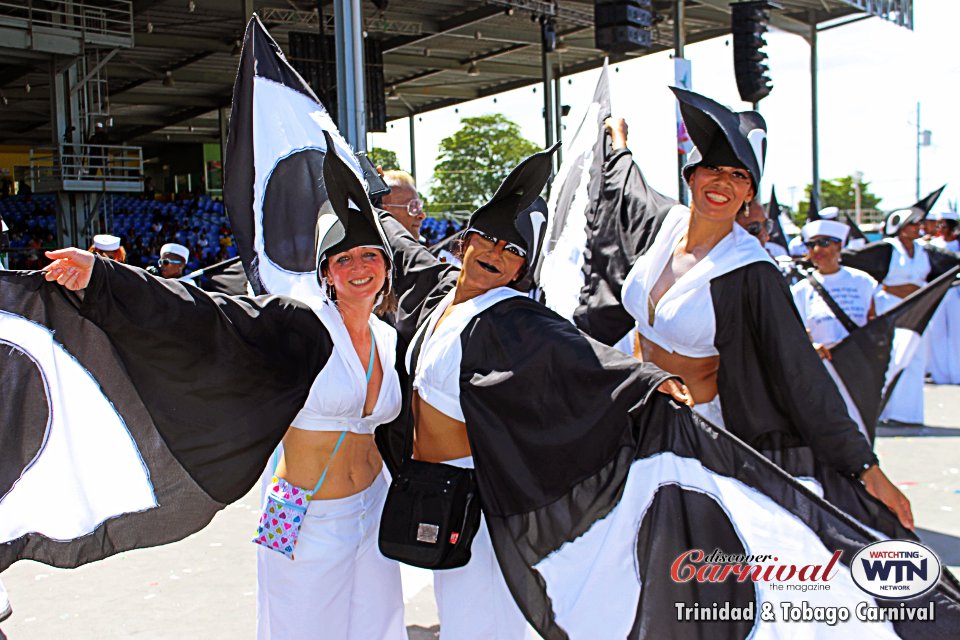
point(173, 260)
point(403, 203)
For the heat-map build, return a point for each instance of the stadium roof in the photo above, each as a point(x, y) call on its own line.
point(170, 73)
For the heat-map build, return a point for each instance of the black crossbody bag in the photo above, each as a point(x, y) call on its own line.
point(432, 511)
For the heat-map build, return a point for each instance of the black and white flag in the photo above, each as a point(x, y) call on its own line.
point(575, 190)
point(273, 171)
point(867, 363)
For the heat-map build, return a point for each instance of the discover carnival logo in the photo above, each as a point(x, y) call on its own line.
point(895, 569)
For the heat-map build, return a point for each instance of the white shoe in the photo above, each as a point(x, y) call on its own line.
point(5, 609)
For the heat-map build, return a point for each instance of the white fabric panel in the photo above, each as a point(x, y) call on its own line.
point(590, 580)
point(908, 354)
point(89, 468)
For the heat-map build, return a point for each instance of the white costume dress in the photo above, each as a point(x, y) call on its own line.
point(943, 333)
point(473, 601)
point(338, 586)
point(906, 399)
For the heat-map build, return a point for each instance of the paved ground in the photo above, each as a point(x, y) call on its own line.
point(203, 587)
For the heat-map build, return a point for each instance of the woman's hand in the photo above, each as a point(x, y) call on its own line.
point(677, 390)
point(618, 132)
point(70, 268)
point(879, 486)
point(822, 351)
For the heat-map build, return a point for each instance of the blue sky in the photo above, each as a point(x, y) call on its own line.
point(871, 76)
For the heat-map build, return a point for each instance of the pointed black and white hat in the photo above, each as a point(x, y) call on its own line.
point(913, 214)
point(723, 138)
point(516, 212)
point(346, 220)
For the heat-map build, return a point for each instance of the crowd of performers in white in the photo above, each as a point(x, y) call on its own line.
point(378, 356)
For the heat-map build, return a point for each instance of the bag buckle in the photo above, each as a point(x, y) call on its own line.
point(428, 533)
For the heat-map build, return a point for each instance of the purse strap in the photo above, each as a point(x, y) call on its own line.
point(840, 314)
point(414, 361)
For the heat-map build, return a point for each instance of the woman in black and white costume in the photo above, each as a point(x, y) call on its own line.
point(851, 289)
point(943, 332)
point(711, 306)
point(440, 302)
point(903, 266)
point(343, 374)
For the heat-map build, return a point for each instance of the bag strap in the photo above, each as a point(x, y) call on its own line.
point(343, 434)
point(841, 315)
point(414, 361)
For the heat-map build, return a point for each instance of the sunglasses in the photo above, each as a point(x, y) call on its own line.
point(823, 243)
point(754, 228)
point(414, 207)
point(166, 261)
point(508, 247)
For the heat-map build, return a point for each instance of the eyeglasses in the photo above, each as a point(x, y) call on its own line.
point(754, 228)
point(516, 250)
point(823, 243)
point(414, 207)
point(166, 261)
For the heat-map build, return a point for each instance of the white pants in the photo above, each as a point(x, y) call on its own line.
point(339, 587)
point(474, 601)
point(943, 340)
point(906, 400)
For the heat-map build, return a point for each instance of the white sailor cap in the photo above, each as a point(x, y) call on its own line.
point(949, 215)
point(829, 228)
point(106, 242)
point(829, 213)
point(176, 249)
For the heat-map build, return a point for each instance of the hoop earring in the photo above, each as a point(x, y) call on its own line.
point(329, 290)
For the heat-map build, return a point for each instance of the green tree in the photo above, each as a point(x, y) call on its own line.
point(838, 193)
point(474, 161)
point(383, 158)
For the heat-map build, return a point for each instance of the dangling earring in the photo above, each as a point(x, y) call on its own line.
point(329, 290)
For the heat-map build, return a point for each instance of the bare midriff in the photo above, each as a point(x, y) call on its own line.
point(699, 374)
point(900, 290)
point(305, 454)
point(437, 436)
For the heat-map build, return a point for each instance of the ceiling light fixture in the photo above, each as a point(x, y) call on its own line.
point(191, 6)
point(168, 79)
point(27, 87)
point(392, 94)
point(237, 48)
point(149, 27)
point(472, 70)
point(561, 46)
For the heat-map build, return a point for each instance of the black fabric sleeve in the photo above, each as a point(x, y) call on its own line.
point(419, 281)
point(545, 406)
point(941, 261)
point(222, 376)
point(873, 258)
point(796, 379)
point(620, 226)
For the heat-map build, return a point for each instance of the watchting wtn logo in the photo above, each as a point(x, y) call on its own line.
point(895, 569)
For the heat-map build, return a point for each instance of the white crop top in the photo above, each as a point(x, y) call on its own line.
point(903, 268)
point(684, 320)
point(338, 393)
point(438, 373)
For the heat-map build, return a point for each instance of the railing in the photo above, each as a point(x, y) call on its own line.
point(88, 19)
point(116, 164)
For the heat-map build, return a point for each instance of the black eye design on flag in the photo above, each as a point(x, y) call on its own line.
point(23, 389)
point(294, 195)
point(86, 468)
point(666, 532)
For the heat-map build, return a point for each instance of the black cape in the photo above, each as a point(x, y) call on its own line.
point(204, 384)
point(874, 258)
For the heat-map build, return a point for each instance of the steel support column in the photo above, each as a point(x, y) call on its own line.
point(679, 39)
point(413, 147)
point(814, 122)
point(351, 107)
point(548, 114)
point(558, 114)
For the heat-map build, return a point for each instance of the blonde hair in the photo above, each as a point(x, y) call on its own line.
point(398, 178)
